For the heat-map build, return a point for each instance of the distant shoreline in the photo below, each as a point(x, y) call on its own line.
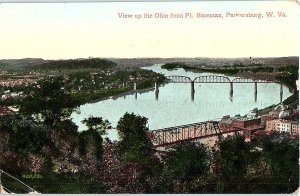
point(194, 61)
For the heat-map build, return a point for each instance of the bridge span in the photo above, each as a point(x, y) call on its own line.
point(217, 79)
point(190, 132)
point(213, 79)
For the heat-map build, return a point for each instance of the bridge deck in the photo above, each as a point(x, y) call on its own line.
point(183, 133)
point(216, 79)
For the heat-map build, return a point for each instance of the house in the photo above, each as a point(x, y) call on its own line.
point(246, 122)
point(281, 125)
point(265, 118)
point(295, 128)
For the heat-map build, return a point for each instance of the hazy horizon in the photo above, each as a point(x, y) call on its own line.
point(152, 58)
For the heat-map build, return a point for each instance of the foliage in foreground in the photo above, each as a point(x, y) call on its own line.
point(89, 164)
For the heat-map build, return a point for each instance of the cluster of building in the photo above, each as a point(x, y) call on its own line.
point(282, 125)
point(11, 95)
point(7, 110)
point(16, 82)
point(7, 94)
point(280, 119)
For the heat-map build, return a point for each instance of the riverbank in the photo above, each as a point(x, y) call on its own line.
point(115, 94)
point(208, 62)
point(112, 93)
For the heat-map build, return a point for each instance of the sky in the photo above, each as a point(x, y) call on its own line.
point(82, 30)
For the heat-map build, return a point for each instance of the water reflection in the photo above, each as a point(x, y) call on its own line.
point(156, 94)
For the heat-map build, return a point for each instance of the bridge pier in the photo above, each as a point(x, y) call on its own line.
point(255, 87)
point(255, 91)
point(231, 90)
point(281, 92)
point(156, 90)
point(156, 86)
point(134, 86)
point(192, 90)
point(135, 95)
point(192, 86)
point(192, 95)
point(156, 95)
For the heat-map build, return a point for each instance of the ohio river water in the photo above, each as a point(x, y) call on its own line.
point(174, 105)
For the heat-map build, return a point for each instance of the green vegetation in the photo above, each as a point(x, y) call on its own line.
point(93, 136)
point(288, 76)
point(88, 87)
point(267, 165)
point(85, 86)
point(232, 160)
point(134, 145)
point(188, 161)
point(85, 97)
point(219, 70)
point(232, 70)
point(58, 66)
point(75, 64)
point(26, 135)
point(265, 110)
point(292, 99)
point(280, 156)
point(171, 66)
point(48, 101)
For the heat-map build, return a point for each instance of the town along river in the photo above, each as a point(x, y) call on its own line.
point(175, 106)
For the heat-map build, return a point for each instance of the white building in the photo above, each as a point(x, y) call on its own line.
point(295, 128)
point(285, 126)
point(280, 125)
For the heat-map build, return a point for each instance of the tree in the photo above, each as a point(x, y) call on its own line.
point(282, 157)
point(25, 135)
point(91, 149)
point(185, 166)
point(91, 139)
point(134, 143)
point(135, 148)
point(232, 158)
point(97, 124)
point(23, 144)
point(48, 101)
point(188, 161)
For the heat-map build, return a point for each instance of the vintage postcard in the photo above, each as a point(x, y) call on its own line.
point(149, 97)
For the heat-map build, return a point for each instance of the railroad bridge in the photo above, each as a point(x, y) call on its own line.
point(190, 132)
point(216, 79)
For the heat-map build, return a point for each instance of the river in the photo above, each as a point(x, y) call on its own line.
point(175, 106)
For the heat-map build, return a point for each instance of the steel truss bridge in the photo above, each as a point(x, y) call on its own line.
point(190, 132)
point(214, 79)
point(218, 79)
